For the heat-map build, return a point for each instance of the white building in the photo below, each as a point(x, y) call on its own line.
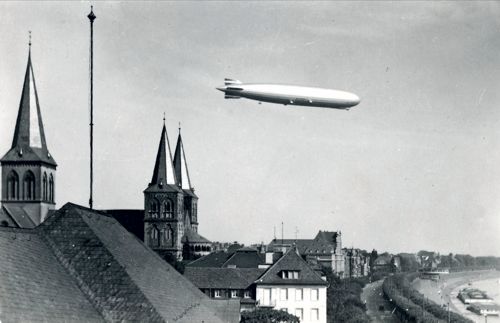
point(292, 285)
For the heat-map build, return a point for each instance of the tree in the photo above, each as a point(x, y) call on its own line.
point(267, 315)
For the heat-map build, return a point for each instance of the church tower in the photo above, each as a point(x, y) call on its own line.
point(164, 205)
point(184, 183)
point(28, 168)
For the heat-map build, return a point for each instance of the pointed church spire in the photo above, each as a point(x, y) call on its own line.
point(180, 164)
point(163, 173)
point(29, 136)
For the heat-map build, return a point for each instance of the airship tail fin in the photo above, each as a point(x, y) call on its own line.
point(231, 81)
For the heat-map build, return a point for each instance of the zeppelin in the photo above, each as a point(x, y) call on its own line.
point(289, 94)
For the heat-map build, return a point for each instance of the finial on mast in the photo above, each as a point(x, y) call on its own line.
point(179, 127)
point(163, 117)
point(29, 42)
point(91, 15)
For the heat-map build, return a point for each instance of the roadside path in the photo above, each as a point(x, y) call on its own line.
point(373, 297)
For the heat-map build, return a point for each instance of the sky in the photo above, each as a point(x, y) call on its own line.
point(414, 166)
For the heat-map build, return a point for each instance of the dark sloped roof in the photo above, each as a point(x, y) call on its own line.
point(232, 278)
point(291, 261)
point(194, 237)
point(19, 215)
point(34, 287)
point(304, 246)
point(180, 165)
point(244, 258)
point(328, 236)
point(215, 260)
point(123, 278)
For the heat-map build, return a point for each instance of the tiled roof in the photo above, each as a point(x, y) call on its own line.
point(19, 216)
point(215, 260)
point(291, 261)
point(194, 237)
point(232, 278)
point(123, 279)
point(34, 286)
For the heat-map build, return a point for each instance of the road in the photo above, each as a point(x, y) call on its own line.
point(373, 296)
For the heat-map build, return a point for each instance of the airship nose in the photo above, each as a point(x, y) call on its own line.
point(222, 88)
point(355, 99)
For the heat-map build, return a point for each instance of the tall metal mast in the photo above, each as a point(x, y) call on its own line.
point(91, 17)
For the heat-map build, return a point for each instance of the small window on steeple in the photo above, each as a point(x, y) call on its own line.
point(168, 209)
point(153, 208)
point(51, 188)
point(45, 187)
point(29, 186)
point(12, 186)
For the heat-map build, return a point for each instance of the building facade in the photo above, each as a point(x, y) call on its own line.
point(28, 168)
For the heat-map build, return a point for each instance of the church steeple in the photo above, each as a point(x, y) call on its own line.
point(28, 169)
point(29, 143)
point(180, 165)
point(163, 173)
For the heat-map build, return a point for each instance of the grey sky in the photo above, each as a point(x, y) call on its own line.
point(414, 166)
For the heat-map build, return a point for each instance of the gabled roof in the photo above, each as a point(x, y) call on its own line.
point(28, 143)
point(34, 286)
point(244, 258)
point(214, 260)
point(223, 278)
point(123, 279)
point(291, 261)
point(163, 172)
point(180, 165)
point(327, 236)
point(132, 220)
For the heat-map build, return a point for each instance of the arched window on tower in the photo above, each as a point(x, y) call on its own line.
point(29, 185)
point(45, 187)
point(51, 188)
point(168, 209)
point(153, 208)
point(12, 186)
point(154, 238)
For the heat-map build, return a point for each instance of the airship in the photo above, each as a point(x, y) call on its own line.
point(289, 94)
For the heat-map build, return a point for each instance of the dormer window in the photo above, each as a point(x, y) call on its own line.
point(290, 274)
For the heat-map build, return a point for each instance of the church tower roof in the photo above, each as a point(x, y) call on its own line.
point(29, 142)
point(163, 173)
point(180, 165)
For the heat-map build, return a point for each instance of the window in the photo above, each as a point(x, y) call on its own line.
point(51, 188)
point(284, 294)
point(154, 237)
point(299, 294)
point(153, 208)
point(246, 294)
point(168, 209)
point(29, 186)
point(299, 313)
point(284, 309)
point(45, 187)
point(217, 293)
point(314, 314)
point(314, 294)
point(13, 186)
point(290, 274)
point(234, 293)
